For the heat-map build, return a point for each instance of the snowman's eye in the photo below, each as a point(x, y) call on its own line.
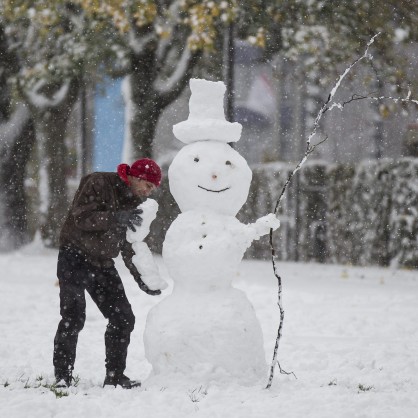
point(196, 159)
point(228, 162)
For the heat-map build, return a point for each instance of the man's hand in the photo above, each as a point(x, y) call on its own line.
point(146, 289)
point(129, 218)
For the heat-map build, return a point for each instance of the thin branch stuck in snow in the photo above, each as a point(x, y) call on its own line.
point(328, 105)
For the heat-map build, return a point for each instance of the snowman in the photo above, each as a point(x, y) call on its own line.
point(206, 331)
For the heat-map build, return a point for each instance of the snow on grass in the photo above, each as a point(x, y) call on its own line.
point(350, 336)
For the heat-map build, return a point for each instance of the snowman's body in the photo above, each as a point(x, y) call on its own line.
point(204, 249)
point(207, 330)
point(216, 334)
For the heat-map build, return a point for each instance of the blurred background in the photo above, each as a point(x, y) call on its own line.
point(86, 85)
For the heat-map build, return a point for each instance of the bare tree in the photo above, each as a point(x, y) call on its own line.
point(17, 137)
point(51, 45)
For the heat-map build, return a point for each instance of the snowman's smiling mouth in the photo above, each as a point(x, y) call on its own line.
point(213, 191)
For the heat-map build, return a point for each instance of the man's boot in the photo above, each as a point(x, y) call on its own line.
point(63, 378)
point(119, 379)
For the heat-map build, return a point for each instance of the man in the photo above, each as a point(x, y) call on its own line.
point(94, 233)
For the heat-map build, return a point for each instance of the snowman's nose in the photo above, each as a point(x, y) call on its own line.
point(214, 176)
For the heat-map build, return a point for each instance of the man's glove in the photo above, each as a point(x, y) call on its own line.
point(146, 289)
point(129, 218)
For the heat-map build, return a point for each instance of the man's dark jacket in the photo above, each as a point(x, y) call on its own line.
point(91, 227)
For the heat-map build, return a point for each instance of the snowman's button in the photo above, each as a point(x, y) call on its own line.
point(204, 235)
point(200, 247)
point(203, 223)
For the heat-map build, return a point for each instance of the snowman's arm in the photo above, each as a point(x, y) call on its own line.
point(128, 253)
point(262, 226)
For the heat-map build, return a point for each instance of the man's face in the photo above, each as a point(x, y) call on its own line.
point(141, 187)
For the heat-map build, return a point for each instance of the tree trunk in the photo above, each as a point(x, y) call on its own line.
point(56, 167)
point(16, 142)
point(52, 126)
point(145, 106)
point(378, 129)
point(151, 90)
point(144, 118)
point(14, 227)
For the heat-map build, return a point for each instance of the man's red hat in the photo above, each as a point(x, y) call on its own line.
point(145, 169)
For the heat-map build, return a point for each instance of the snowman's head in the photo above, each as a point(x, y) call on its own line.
point(209, 175)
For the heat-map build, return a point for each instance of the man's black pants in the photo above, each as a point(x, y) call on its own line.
point(105, 287)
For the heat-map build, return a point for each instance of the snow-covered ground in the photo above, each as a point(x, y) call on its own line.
point(350, 336)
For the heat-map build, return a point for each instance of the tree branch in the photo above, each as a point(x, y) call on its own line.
point(44, 96)
point(172, 88)
point(174, 29)
point(309, 150)
point(328, 105)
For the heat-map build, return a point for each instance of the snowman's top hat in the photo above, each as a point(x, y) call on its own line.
point(206, 118)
